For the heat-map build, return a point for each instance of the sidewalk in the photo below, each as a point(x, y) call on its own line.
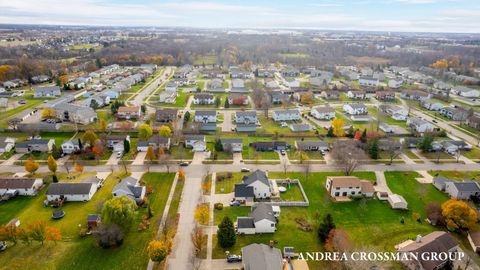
point(12, 159)
point(140, 158)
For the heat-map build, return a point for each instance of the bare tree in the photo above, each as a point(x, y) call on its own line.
point(393, 148)
point(266, 104)
point(199, 240)
point(347, 155)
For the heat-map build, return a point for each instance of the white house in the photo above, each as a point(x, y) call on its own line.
point(398, 113)
point(129, 187)
point(196, 142)
point(168, 97)
point(292, 82)
point(73, 192)
point(261, 185)
point(357, 94)
point(6, 144)
point(419, 125)
point(262, 219)
point(171, 86)
point(368, 81)
point(355, 108)
point(205, 116)
point(286, 115)
point(397, 202)
point(431, 105)
point(462, 190)
point(24, 186)
point(238, 83)
point(46, 91)
point(203, 99)
point(348, 186)
point(465, 92)
point(323, 113)
point(395, 83)
point(232, 144)
point(70, 146)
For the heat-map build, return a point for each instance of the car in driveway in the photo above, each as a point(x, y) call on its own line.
point(282, 152)
point(245, 170)
point(184, 164)
point(234, 258)
point(235, 203)
point(119, 154)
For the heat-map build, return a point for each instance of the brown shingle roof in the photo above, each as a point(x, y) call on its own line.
point(128, 109)
point(344, 181)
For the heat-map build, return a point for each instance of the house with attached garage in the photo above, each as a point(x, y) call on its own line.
point(246, 117)
point(386, 128)
point(75, 113)
point(348, 186)
point(40, 145)
point(262, 257)
point(473, 121)
point(385, 95)
point(262, 219)
point(419, 125)
point(131, 112)
point(270, 146)
point(262, 187)
point(357, 94)
point(155, 141)
point(323, 113)
point(6, 144)
point(206, 116)
point(232, 144)
point(244, 194)
point(24, 186)
point(286, 115)
point(279, 97)
point(238, 83)
point(246, 127)
point(465, 92)
point(203, 99)
point(455, 114)
point(431, 105)
point(398, 113)
point(414, 95)
point(171, 86)
point(355, 108)
point(303, 127)
point(311, 146)
point(395, 83)
point(46, 91)
point(115, 142)
point(166, 115)
point(292, 82)
point(237, 100)
point(70, 146)
point(167, 97)
point(196, 142)
point(129, 187)
point(330, 94)
point(440, 182)
point(368, 81)
point(73, 192)
point(462, 190)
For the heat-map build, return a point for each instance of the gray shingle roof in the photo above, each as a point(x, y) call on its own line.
point(467, 186)
point(245, 223)
point(262, 211)
point(69, 188)
point(256, 176)
point(261, 257)
point(243, 190)
point(16, 183)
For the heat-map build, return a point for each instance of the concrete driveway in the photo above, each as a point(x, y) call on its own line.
point(237, 157)
point(113, 160)
point(198, 157)
point(227, 121)
point(103, 175)
point(12, 159)
point(140, 158)
point(219, 264)
point(381, 183)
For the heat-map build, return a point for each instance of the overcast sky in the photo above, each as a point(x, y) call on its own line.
point(384, 15)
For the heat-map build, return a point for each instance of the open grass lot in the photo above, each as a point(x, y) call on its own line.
point(77, 253)
point(458, 175)
point(373, 225)
point(227, 185)
point(272, 127)
point(221, 155)
point(249, 153)
point(315, 155)
point(435, 155)
point(180, 152)
point(207, 59)
point(59, 137)
point(473, 153)
point(180, 101)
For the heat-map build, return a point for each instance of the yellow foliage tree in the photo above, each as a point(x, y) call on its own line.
point(157, 250)
point(4, 69)
point(78, 167)
point(150, 154)
point(337, 125)
point(440, 64)
point(307, 99)
point(165, 131)
point(181, 174)
point(52, 164)
point(202, 214)
point(102, 124)
point(63, 80)
point(301, 156)
point(48, 113)
point(458, 215)
point(31, 166)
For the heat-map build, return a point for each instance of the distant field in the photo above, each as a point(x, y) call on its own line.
point(209, 59)
point(293, 55)
point(16, 43)
point(366, 60)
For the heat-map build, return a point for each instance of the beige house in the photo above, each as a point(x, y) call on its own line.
point(348, 186)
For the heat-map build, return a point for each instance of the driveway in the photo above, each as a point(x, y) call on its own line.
point(12, 159)
point(150, 88)
point(219, 264)
point(381, 185)
point(140, 158)
point(113, 160)
point(198, 157)
point(227, 121)
point(237, 157)
point(103, 175)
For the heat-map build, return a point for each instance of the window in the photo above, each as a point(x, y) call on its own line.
point(337, 194)
point(272, 225)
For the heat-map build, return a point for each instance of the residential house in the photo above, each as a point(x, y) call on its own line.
point(290, 71)
point(203, 99)
point(73, 192)
point(357, 94)
point(24, 186)
point(129, 187)
point(397, 201)
point(196, 142)
point(279, 97)
point(474, 240)
point(385, 95)
point(348, 186)
point(112, 93)
point(415, 95)
point(238, 83)
point(302, 127)
point(368, 81)
point(6, 144)
point(244, 193)
point(286, 115)
point(40, 79)
point(167, 97)
point(437, 242)
point(398, 113)
point(206, 116)
point(473, 121)
point(155, 141)
point(262, 219)
point(131, 112)
point(70, 146)
point(440, 182)
point(311, 146)
point(271, 83)
point(237, 100)
point(116, 142)
point(46, 91)
point(330, 94)
point(75, 113)
point(171, 86)
point(323, 113)
point(465, 92)
point(455, 114)
point(442, 86)
point(13, 84)
point(292, 82)
point(431, 105)
point(232, 144)
point(166, 115)
point(182, 72)
point(270, 146)
point(262, 187)
point(97, 101)
point(355, 108)
point(246, 117)
point(419, 125)
point(386, 128)
point(462, 190)
point(40, 145)
point(395, 83)
point(261, 257)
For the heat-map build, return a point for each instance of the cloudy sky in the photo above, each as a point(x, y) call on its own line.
point(388, 15)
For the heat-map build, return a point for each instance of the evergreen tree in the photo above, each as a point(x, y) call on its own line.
point(218, 145)
point(126, 145)
point(226, 233)
point(425, 144)
point(325, 227)
point(226, 105)
point(80, 145)
point(186, 117)
point(330, 132)
point(373, 149)
point(217, 102)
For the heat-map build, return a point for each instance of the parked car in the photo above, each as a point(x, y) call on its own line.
point(3, 246)
point(184, 164)
point(434, 121)
point(235, 203)
point(22, 101)
point(119, 154)
point(234, 258)
point(282, 152)
point(245, 170)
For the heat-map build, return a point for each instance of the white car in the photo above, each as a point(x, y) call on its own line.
point(119, 154)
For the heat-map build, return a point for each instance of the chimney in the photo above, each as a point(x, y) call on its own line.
point(418, 239)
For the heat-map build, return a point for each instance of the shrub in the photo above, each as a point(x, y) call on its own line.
point(218, 206)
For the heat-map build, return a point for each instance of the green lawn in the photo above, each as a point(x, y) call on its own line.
point(473, 153)
point(458, 175)
point(434, 155)
point(315, 155)
point(371, 224)
point(227, 185)
point(207, 59)
point(293, 193)
point(179, 152)
point(59, 137)
point(7, 115)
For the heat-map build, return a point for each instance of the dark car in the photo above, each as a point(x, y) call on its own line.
point(184, 164)
point(234, 258)
point(245, 170)
point(434, 121)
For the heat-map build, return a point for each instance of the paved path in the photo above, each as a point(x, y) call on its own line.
point(61, 161)
point(381, 183)
point(406, 159)
point(219, 264)
point(198, 157)
point(140, 158)
point(180, 258)
point(112, 160)
point(103, 175)
point(227, 121)
point(426, 177)
point(237, 157)
point(12, 160)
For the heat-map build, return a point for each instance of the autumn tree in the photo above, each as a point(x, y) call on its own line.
point(165, 131)
point(181, 174)
point(102, 125)
point(199, 240)
point(48, 113)
point(202, 214)
point(119, 210)
point(145, 132)
point(53, 234)
point(31, 166)
point(157, 250)
point(338, 241)
point(10, 233)
point(90, 137)
point(458, 215)
point(78, 168)
point(52, 164)
point(337, 125)
point(150, 155)
point(38, 231)
point(440, 64)
point(307, 98)
point(347, 155)
point(226, 235)
point(434, 213)
point(98, 149)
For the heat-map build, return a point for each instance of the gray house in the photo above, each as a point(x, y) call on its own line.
point(462, 190)
point(246, 117)
point(440, 182)
point(261, 257)
point(42, 145)
point(129, 187)
point(311, 146)
point(46, 91)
